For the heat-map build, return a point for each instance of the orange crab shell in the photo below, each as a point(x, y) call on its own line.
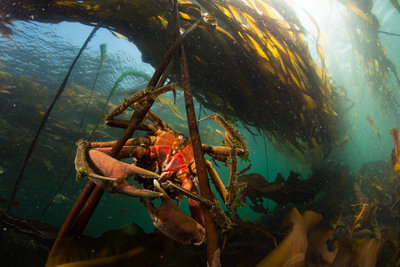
point(173, 147)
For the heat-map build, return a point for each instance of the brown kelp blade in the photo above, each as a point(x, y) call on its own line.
point(364, 252)
point(318, 251)
point(31, 227)
point(128, 246)
point(396, 151)
point(5, 31)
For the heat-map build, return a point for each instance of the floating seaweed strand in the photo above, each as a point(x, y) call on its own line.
point(103, 49)
point(114, 90)
point(389, 33)
point(363, 30)
point(266, 155)
point(395, 4)
point(46, 116)
point(358, 217)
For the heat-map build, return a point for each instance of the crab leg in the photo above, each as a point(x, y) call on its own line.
point(230, 131)
point(119, 123)
point(148, 140)
point(219, 185)
point(227, 141)
point(137, 97)
point(128, 150)
point(232, 180)
point(168, 185)
point(157, 120)
point(221, 153)
point(232, 138)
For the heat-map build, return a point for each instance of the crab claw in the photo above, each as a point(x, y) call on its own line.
point(117, 169)
point(114, 173)
point(111, 167)
point(173, 222)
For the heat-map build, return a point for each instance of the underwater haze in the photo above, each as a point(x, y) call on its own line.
point(317, 105)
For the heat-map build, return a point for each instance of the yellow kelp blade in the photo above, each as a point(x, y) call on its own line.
point(358, 11)
point(167, 101)
point(373, 126)
point(359, 216)
point(119, 35)
point(292, 250)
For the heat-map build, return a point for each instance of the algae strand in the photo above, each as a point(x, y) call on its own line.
point(46, 116)
point(103, 56)
point(103, 50)
point(114, 90)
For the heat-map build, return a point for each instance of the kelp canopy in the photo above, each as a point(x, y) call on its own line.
point(248, 60)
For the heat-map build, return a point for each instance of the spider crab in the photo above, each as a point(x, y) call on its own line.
point(164, 166)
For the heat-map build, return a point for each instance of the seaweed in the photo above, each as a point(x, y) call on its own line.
point(114, 90)
point(258, 66)
point(293, 190)
point(103, 56)
point(306, 246)
point(292, 250)
point(46, 116)
point(362, 26)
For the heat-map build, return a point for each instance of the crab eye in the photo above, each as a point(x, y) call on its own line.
point(180, 137)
